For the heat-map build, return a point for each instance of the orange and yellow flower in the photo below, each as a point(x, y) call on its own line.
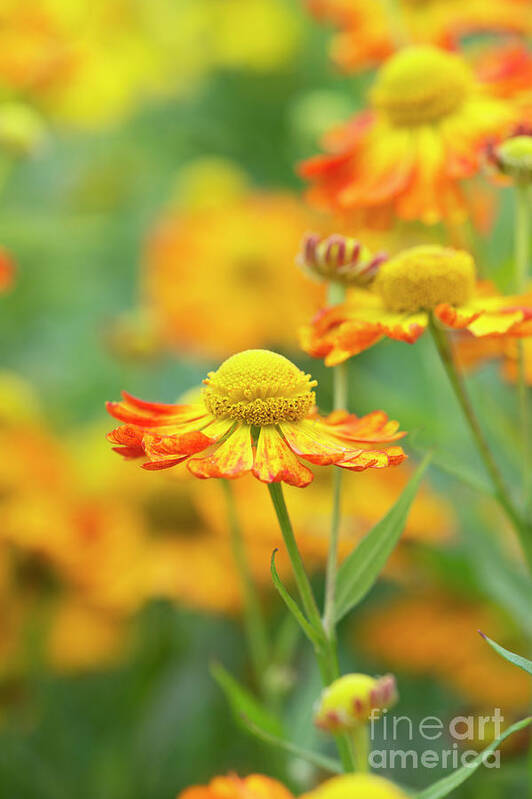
point(369, 33)
point(256, 415)
point(506, 70)
point(407, 156)
point(419, 283)
point(217, 278)
point(256, 786)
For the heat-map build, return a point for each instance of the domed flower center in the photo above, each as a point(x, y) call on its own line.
point(423, 277)
point(420, 85)
point(259, 387)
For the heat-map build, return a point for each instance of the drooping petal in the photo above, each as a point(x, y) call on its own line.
point(275, 461)
point(374, 427)
point(311, 441)
point(457, 317)
point(232, 458)
point(374, 459)
point(175, 448)
point(495, 324)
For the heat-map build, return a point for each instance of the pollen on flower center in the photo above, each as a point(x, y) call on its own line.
point(420, 85)
point(423, 277)
point(259, 387)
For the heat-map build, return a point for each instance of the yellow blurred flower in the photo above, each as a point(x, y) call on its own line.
point(436, 634)
point(81, 637)
point(371, 32)
point(356, 786)
point(351, 700)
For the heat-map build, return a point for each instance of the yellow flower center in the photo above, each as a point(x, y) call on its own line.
point(350, 786)
point(423, 277)
point(420, 85)
point(259, 387)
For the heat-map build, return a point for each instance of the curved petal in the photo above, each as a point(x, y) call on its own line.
point(372, 428)
point(233, 458)
point(457, 317)
point(162, 449)
point(275, 461)
point(309, 440)
point(495, 324)
point(374, 459)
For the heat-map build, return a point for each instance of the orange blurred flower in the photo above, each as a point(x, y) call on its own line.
point(369, 33)
point(506, 70)
point(408, 155)
point(256, 786)
point(255, 415)
point(7, 271)
point(419, 635)
point(408, 289)
point(217, 278)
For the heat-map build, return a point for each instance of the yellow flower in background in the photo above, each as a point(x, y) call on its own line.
point(371, 32)
point(80, 637)
point(356, 786)
point(351, 700)
point(219, 277)
point(408, 155)
point(435, 634)
point(91, 63)
point(411, 288)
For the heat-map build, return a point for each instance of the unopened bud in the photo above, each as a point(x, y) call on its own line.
point(513, 157)
point(352, 699)
point(339, 258)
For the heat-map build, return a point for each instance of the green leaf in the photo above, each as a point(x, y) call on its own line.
point(292, 605)
point(243, 703)
point(321, 761)
point(517, 660)
point(360, 569)
point(448, 464)
point(444, 786)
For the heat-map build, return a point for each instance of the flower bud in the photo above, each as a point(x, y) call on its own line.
point(338, 258)
point(513, 157)
point(356, 786)
point(22, 130)
point(350, 701)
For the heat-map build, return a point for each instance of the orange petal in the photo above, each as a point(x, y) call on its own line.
point(275, 461)
point(164, 448)
point(374, 459)
point(457, 318)
point(232, 458)
point(313, 442)
point(372, 428)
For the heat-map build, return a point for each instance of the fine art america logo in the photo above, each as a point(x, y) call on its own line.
point(457, 736)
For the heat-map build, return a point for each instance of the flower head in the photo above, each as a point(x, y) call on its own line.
point(356, 786)
point(411, 287)
point(350, 700)
point(256, 414)
point(407, 156)
point(338, 258)
point(513, 157)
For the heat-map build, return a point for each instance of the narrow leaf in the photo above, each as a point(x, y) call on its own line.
point(360, 569)
point(444, 786)
point(292, 605)
point(517, 660)
point(243, 703)
point(321, 761)
point(446, 463)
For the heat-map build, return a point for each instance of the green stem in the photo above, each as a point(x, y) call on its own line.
point(254, 621)
point(302, 581)
point(326, 652)
point(501, 493)
point(522, 260)
point(360, 738)
point(340, 391)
